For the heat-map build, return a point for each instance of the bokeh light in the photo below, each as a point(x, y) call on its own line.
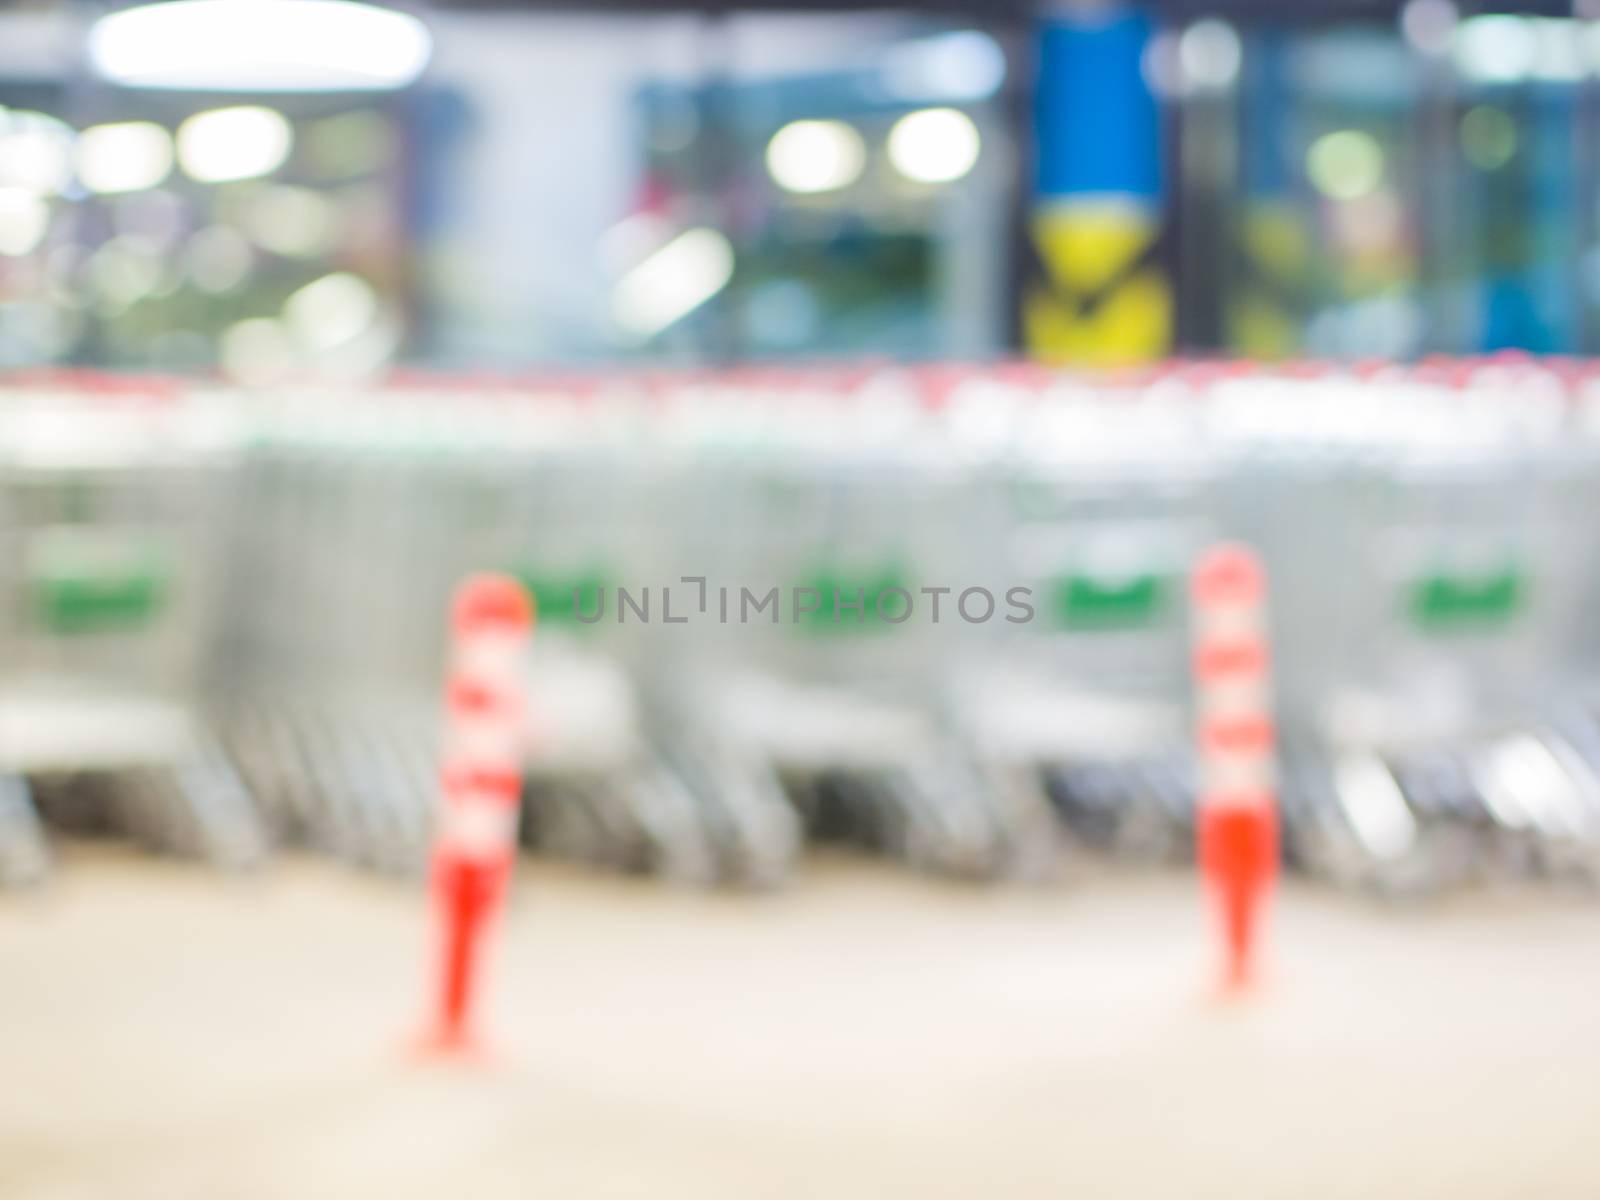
point(815, 156)
point(934, 145)
point(125, 156)
point(1488, 137)
point(1345, 164)
point(330, 312)
point(234, 143)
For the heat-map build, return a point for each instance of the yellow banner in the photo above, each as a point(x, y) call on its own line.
point(1102, 301)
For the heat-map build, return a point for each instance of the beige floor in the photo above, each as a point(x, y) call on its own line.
point(166, 1036)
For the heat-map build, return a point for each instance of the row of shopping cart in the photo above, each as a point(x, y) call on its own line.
point(937, 612)
point(113, 525)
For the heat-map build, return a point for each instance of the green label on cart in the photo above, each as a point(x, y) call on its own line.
point(557, 598)
point(99, 602)
point(1443, 603)
point(1083, 601)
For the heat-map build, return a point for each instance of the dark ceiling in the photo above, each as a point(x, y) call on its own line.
point(1282, 10)
point(1288, 11)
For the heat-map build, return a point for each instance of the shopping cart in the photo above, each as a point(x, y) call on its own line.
point(584, 520)
point(1423, 588)
point(355, 505)
point(1094, 500)
point(825, 519)
point(113, 510)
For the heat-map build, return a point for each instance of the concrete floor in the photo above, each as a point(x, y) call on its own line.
point(165, 1035)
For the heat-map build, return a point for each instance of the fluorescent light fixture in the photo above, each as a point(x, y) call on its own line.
point(967, 65)
point(233, 143)
point(1497, 48)
point(815, 156)
point(127, 156)
point(672, 282)
point(260, 46)
point(934, 145)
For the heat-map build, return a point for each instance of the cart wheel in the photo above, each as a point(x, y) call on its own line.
point(679, 843)
point(228, 829)
point(1036, 845)
point(752, 823)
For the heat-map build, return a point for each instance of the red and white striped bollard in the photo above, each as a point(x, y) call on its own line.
point(475, 843)
point(1236, 741)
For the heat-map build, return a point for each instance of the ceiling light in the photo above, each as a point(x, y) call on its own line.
point(260, 46)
